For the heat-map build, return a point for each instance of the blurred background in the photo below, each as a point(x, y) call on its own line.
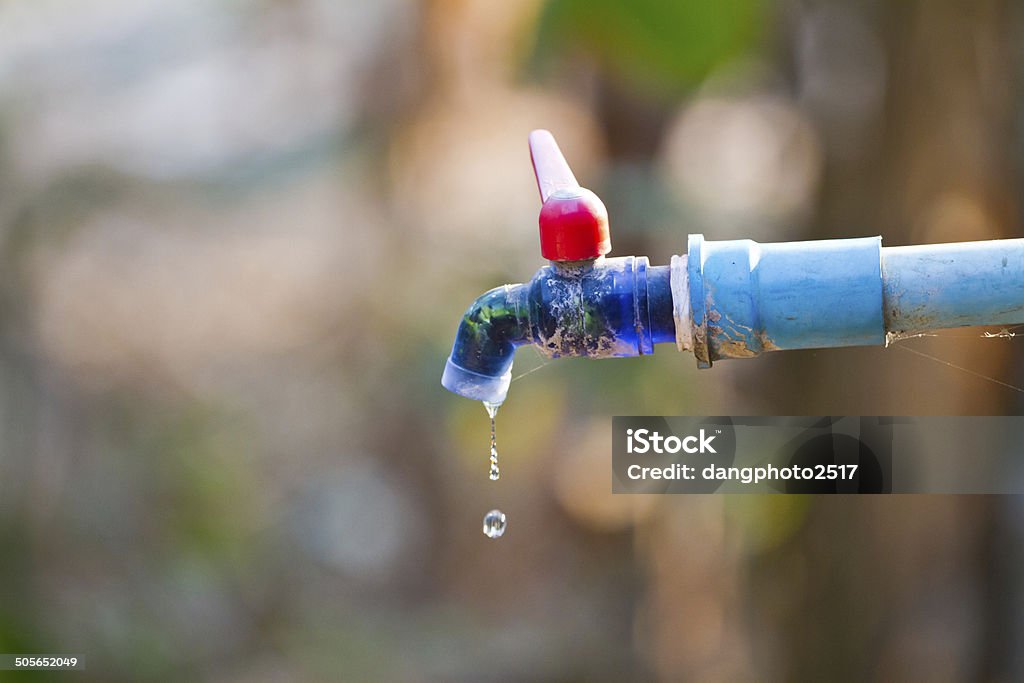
point(235, 242)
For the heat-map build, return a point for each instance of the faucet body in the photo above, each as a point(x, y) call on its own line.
point(596, 309)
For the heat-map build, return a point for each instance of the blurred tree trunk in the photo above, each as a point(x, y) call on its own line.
point(918, 588)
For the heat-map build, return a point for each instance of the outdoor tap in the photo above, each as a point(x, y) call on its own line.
point(723, 299)
point(583, 304)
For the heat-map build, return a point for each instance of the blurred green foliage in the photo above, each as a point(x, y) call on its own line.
point(661, 46)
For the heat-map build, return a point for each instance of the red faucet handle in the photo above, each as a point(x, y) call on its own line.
point(573, 220)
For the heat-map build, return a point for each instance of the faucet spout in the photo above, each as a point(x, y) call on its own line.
point(480, 365)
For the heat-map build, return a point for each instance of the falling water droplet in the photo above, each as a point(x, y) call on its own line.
point(492, 411)
point(494, 524)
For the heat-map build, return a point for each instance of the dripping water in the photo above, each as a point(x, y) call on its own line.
point(492, 411)
point(494, 521)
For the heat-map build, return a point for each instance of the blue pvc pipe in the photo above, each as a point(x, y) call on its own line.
point(746, 298)
point(939, 286)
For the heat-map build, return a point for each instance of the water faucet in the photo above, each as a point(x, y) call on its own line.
point(722, 299)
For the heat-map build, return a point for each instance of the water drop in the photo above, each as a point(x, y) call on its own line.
point(492, 411)
point(494, 524)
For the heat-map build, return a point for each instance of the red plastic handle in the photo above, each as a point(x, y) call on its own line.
point(573, 220)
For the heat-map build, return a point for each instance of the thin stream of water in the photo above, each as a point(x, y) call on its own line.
point(492, 412)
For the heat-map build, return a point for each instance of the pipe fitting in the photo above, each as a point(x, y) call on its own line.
point(746, 298)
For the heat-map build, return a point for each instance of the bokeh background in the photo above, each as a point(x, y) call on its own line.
point(235, 242)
